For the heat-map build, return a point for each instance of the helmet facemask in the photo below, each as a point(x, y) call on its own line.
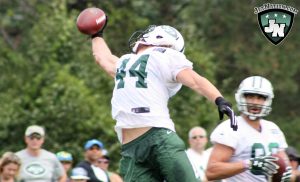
point(138, 36)
point(264, 108)
point(255, 85)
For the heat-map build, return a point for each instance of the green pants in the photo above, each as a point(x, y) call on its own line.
point(156, 156)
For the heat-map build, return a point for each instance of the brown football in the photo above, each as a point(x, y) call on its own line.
point(91, 20)
point(282, 166)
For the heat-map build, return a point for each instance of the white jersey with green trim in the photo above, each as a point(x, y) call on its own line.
point(247, 143)
point(199, 162)
point(144, 83)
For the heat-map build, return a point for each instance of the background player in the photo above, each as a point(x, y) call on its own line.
point(245, 155)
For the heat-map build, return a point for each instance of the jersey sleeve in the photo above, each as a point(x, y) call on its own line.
point(178, 62)
point(171, 62)
point(283, 143)
point(224, 135)
point(276, 131)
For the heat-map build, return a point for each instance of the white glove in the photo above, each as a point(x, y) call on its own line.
point(264, 164)
point(286, 176)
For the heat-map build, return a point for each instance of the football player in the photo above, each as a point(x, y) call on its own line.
point(245, 155)
point(144, 81)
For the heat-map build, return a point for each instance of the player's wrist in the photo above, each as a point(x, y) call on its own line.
point(98, 34)
point(246, 164)
point(219, 100)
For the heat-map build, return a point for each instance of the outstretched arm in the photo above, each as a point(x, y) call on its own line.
point(103, 56)
point(201, 85)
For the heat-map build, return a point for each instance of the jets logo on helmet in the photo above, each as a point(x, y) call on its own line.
point(163, 35)
point(255, 85)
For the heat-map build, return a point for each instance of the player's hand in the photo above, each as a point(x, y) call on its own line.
point(264, 164)
point(100, 32)
point(287, 175)
point(225, 107)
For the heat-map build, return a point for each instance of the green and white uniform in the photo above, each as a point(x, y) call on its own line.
point(146, 81)
point(143, 85)
point(247, 143)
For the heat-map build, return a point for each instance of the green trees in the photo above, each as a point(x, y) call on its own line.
point(48, 75)
point(232, 34)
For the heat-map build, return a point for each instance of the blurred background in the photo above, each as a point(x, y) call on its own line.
point(48, 76)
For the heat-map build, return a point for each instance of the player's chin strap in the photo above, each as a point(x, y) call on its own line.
point(224, 107)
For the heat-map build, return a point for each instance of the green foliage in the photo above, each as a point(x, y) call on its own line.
point(232, 33)
point(43, 84)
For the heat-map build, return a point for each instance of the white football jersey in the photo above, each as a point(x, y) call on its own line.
point(143, 85)
point(247, 143)
point(199, 162)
